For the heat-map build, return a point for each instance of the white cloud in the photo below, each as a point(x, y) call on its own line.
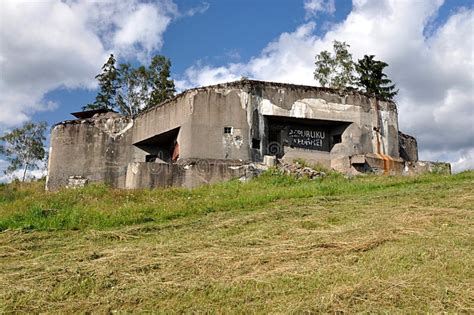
point(313, 7)
point(434, 74)
point(130, 28)
point(200, 9)
point(49, 44)
point(141, 32)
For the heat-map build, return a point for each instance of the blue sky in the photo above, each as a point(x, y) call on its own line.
point(51, 50)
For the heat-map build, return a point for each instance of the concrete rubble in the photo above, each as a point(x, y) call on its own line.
point(76, 182)
point(299, 171)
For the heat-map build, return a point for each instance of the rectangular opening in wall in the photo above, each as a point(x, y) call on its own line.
point(160, 146)
point(302, 133)
point(227, 130)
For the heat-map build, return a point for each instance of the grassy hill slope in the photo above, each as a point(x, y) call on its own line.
point(275, 244)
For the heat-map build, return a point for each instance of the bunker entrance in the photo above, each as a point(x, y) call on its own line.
point(301, 133)
point(162, 147)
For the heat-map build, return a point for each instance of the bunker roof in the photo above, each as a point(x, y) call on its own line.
point(89, 113)
point(247, 84)
point(244, 84)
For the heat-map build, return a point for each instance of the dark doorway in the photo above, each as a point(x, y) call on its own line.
point(160, 147)
point(309, 134)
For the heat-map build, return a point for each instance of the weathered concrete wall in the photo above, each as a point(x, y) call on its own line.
point(214, 111)
point(408, 147)
point(186, 174)
point(98, 149)
point(161, 119)
point(371, 126)
point(202, 117)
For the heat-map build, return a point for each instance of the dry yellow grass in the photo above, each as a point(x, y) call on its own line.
point(402, 246)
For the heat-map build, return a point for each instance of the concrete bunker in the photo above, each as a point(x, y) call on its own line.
point(209, 134)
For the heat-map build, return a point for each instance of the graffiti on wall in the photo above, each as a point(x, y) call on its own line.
point(307, 137)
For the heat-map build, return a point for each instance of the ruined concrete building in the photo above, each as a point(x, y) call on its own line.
point(213, 133)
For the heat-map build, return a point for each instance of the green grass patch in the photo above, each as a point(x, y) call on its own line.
point(277, 244)
point(28, 206)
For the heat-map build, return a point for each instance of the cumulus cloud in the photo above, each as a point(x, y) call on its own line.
point(53, 44)
point(132, 28)
point(434, 74)
point(313, 7)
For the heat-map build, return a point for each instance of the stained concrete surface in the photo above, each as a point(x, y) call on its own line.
point(238, 121)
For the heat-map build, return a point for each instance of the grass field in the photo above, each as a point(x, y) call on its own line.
point(275, 244)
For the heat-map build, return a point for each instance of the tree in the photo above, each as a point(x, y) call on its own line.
point(24, 147)
point(161, 86)
point(130, 90)
point(142, 87)
point(335, 71)
point(133, 94)
point(127, 95)
point(108, 85)
point(373, 80)
point(142, 76)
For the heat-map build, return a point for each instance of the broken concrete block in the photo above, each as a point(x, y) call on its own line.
point(76, 182)
point(341, 164)
point(269, 160)
point(408, 147)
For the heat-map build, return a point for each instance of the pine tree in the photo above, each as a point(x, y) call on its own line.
point(373, 80)
point(108, 85)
